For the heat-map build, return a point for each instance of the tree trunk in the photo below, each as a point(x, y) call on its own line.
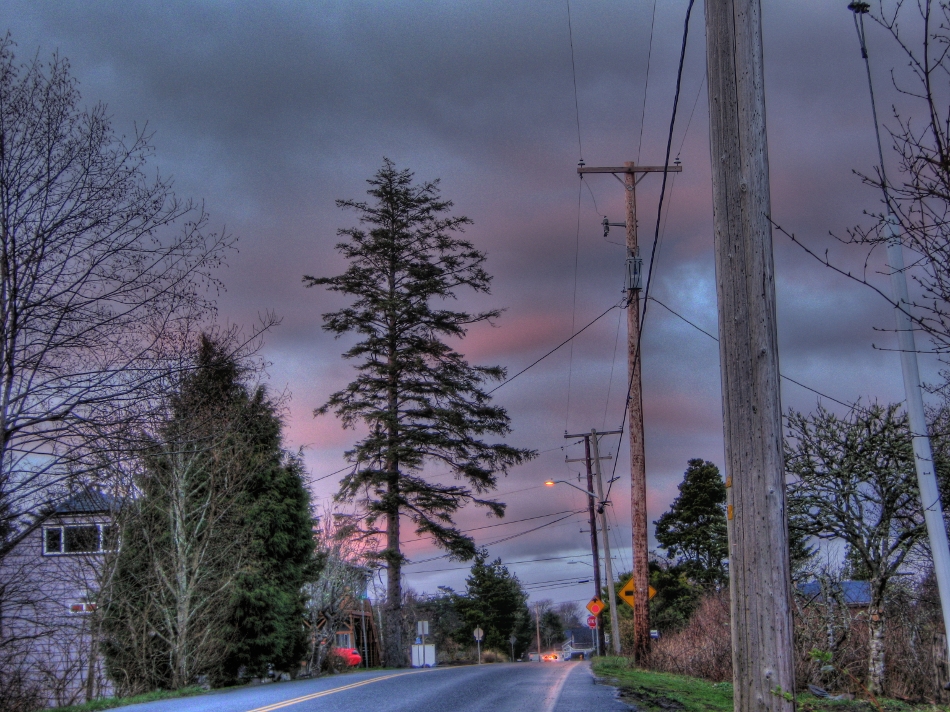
point(394, 654)
point(876, 649)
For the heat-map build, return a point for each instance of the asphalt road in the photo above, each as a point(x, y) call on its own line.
point(513, 687)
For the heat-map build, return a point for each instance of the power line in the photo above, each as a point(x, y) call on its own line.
point(499, 541)
point(851, 406)
point(646, 85)
point(577, 110)
point(690, 121)
point(508, 563)
point(332, 473)
point(577, 255)
point(499, 524)
point(529, 531)
point(656, 233)
point(567, 340)
point(613, 363)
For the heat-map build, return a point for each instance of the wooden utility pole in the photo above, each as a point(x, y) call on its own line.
point(638, 477)
point(759, 577)
point(605, 529)
point(601, 505)
point(592, 519)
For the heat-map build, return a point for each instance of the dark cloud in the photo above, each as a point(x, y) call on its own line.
point(270, 111)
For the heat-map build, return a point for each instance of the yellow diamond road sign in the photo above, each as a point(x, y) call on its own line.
point(627, 596)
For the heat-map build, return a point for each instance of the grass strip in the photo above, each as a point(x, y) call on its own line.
point(665, 692)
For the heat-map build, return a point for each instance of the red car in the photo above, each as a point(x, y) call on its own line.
point(351, 656)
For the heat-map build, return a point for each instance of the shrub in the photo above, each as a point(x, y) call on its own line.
point(702, 648)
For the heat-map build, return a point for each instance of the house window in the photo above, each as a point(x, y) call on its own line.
point(53, 540)
point(78, 539)
point(343, 640)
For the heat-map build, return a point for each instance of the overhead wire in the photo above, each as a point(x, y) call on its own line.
point(567, 340)
point(646, 85)
point(347, 467)
point(577, 110)
point(505, 563)
point(690, 121)
point(503, 539)
point(577, 254)
point(851, 406)
point(499, 524)
point(577, 237)
point(656, 233)
point(613, 363)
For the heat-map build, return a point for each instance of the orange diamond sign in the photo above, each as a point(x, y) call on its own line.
point(595, 606)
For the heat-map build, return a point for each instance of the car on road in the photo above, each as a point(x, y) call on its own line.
point(551, 657)
point(350, 656)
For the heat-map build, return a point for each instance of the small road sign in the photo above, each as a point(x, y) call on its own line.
point(479, 634)
point(591, 621)
point(627, 596)
point(595, 606)
point(422, 627)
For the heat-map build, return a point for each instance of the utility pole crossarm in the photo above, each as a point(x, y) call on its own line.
point(630, 169)
point(587, 435)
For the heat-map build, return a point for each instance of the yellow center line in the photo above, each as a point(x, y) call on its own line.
point(315, 695)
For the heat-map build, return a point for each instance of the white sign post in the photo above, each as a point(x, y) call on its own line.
point(479, 634)
point(513, 639)
point(423, 655)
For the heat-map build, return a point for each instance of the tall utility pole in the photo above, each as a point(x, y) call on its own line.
point(638, 476)
point(592, 520)
point(602, 508)
point(759, 576)
point(537, 627)
point(923, 456)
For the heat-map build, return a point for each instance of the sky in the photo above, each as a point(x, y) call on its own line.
point(270, 111)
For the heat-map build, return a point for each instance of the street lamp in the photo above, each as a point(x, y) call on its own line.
point(600, 505)
point(551, 483)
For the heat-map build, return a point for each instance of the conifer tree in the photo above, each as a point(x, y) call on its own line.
point(694, 528)
point(216, 546)
point(419, 399)
point(496, 603)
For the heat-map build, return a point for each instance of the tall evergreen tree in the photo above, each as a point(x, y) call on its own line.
point(217, 544)
point(419, 399)
point(694, 528)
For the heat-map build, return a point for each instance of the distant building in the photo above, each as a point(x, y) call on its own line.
point(49, 584)
point(578, 644)
point(854, 594)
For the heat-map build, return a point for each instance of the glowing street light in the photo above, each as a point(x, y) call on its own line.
point(551, 483)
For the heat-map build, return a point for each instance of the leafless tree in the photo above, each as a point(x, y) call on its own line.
point(100, 266)
point(570, 614)
point(168, 600)
point(852, 480)
point(342, 580)
point(918, 192)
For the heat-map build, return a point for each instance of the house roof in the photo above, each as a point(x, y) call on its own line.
point(86, 502)
point(582, 637)
point(854, 593)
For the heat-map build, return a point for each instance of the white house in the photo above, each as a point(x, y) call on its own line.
point(49, 584)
